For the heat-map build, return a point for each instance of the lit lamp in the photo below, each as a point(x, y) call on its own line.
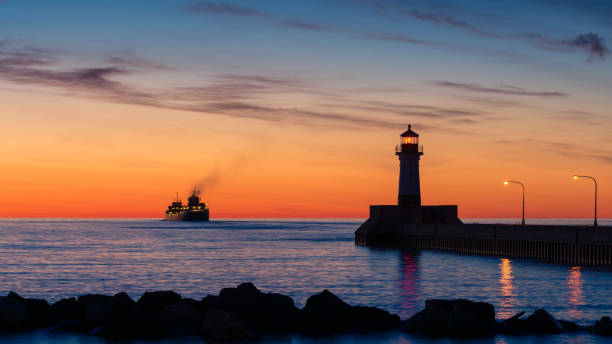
point(594, 181)
point(523, 187)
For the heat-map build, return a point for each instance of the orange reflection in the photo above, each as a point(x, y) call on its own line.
point(409, 284)
point(506, 288)
point(576, 296)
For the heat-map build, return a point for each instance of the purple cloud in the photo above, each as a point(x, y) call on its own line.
point(505, 89)
point(224, 8)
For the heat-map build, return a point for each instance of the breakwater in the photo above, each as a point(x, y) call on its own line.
point(583, 245)
point(244, 312)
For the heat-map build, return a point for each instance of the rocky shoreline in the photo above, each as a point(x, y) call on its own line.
point(245, 312)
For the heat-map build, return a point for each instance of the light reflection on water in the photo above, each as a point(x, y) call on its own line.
point(506, 289)
point(576, 294)
point(59, 258)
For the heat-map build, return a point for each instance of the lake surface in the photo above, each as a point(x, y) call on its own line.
point(57, 258)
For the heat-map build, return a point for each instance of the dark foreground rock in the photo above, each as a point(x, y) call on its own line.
point(221, 325)
point(453, 318)
point(21, 314)
point(326, 313)
point(602, 327)
point(244, 312)
point(234, 314)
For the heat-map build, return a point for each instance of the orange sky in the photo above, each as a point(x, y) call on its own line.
point(72, 157)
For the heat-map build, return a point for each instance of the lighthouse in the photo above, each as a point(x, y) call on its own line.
point(409, 153)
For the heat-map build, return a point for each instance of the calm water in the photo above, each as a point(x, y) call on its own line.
point(52, 259)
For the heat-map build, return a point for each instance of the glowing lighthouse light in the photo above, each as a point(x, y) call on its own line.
point(410, 140)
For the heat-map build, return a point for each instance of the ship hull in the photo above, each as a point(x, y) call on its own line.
point(193, 216)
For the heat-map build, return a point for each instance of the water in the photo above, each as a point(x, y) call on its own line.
point(57, 258)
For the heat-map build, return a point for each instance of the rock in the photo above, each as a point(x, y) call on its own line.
point(602, 327)
point(179, 319)
point(514, 325)
point(141, 326)
point(152, 301)
point(272, 313)
point(121, 309)
point(570, 326)
point(471, 319)
point(37, 310)
point(64, 311)
point(372, 319)
point(240, 300)
point(325, 313)
point(222, 325)
point(96, 309)
point(182, 318)
point(453, 318)
point(210, 302)
point(13, 315)
point(542, 322)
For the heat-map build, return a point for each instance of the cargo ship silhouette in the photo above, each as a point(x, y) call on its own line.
point(193, 211)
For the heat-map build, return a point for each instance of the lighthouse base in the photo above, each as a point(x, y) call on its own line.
point(384, 227)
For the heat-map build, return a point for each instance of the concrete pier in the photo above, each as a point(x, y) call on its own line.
point(579, 245)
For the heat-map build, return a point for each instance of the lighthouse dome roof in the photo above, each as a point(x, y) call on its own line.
point(409, 133)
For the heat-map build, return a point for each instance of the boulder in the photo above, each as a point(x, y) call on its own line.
point(471, 319)
point(13, 315)
point(602, 327)
point(37, 310)
point(210, 302)
point(141, 326)
point(152, 301)
point(514, 325)
point(542, 322)
point(180, 319)
point(121, 309)
point(325, 313)
point(96, 309)
point(221, 325)
point(372, 319)
point(272, 313)
point(453, 318)
point(64, 311)
point(570, 326)
point(240, 300)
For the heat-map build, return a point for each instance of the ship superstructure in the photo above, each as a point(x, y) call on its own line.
point(194, 210)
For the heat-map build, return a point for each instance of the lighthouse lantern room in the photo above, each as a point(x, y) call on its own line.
point(409, 182)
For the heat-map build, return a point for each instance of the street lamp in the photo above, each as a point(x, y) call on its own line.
point(594, 181)
point(522, 186)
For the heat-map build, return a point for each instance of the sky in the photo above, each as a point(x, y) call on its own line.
point(293, 109)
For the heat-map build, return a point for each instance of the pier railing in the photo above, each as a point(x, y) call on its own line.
point(557, 244)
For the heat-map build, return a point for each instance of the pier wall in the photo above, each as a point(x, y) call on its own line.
point(559, 244)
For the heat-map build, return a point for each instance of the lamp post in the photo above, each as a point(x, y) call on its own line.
point(594, 181)
point(523, 187)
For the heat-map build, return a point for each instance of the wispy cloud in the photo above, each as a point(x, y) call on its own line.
point(137, 62)
point(306, 26)
point(228, 94)
point(504, 89)
point(394, 38)
point(591, 43)
point(444, 19)
point(224, 8)
point(233, 95)
point(563, 149)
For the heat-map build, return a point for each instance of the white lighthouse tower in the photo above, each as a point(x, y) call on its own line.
point(409, 153)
